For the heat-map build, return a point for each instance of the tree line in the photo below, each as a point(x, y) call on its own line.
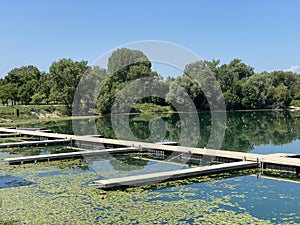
point(241, 87)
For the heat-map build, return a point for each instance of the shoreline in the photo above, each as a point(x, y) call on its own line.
point(13, 121)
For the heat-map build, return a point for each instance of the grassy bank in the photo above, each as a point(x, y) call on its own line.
point(29, 113)
point(150, 108)
point(150, 111)
point(7, 112)
point(43, 113)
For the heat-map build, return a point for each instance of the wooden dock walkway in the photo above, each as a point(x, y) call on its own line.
point(9, 135)
point(42, 158)
point(264, 159)
point(171, 175)
point(34, 143)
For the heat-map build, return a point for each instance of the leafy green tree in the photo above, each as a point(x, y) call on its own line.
point(231, 77)
point(288, 79)
point(27, 90)
point(186, 85)
point(262, 84)
point(89, 85)
point(66, 75)
point(44, 90)
point(210, 96)
point(282, 97)
point(23, 79)
point(124, 65)
point(232, 100)
point(228, 74)
point(8, 92)
point(122, 59)
point(200, 83)
point(240, 69)
point(4, 94)
point(37, 98)
point(20, 76)
point(260, 91)
point(249, 100)
point(177, 95)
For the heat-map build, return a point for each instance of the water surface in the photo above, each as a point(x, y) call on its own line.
point(59, 193)
point(262, 132)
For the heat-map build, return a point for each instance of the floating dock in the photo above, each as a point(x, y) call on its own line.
point(9, 135)
point(34, 143)
point(272, 161)
point(43, 158)
point(171, 175)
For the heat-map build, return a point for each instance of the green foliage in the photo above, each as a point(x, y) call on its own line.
point(6, 222)
point(27, 90)
point(232, 100)
point(241, 87)
point(88, 88)
point(8, 91)
point(199, 82)
point(295, 103)
point(23, 74)
point(179, 96)
point(262, 91)
point(60, 189)
point(37, 98)
point(228, 74)
point(152, 108)
point(122, 59)
point(44, 89)
point(124, 66)
point(20, 84)
point(66, 75)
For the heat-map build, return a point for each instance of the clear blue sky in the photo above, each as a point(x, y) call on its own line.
point(263, 33)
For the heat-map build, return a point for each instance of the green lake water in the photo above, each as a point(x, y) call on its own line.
point(57, 192)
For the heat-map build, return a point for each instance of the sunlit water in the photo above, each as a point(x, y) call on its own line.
point(264, 198)
point(293, 147)
point(252, 196)
point(257, 132)
point(48, 193)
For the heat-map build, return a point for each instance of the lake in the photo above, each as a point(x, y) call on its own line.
point(57, 192)
point(263, 132)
